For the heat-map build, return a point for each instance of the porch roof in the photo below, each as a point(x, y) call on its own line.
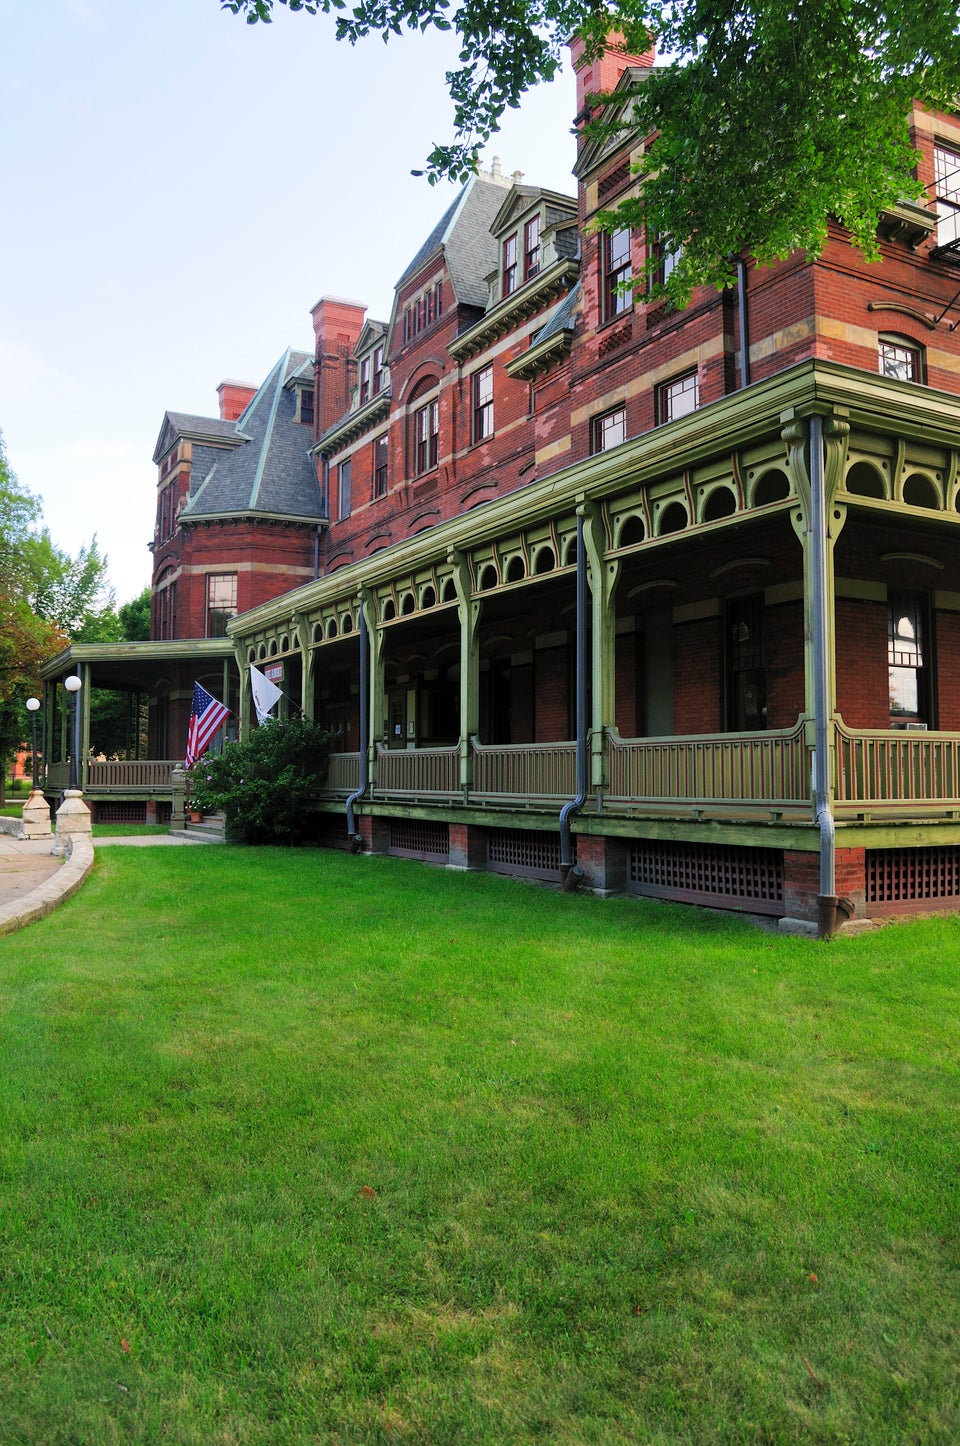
point(134, 665)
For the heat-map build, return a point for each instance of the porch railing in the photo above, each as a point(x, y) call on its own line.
point(130, 775)
point(514, 772)
point(427, 773)
point(343, 774)
point(881, 770)
point(769, 769)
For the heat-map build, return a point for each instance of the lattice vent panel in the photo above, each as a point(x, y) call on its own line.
point(904, 876)
point(709, 873)
point(420, 837)
point(164, 812)
point(522, 851)
point(124, 813)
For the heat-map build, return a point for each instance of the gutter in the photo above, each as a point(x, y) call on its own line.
point(354, 839)
point(571, 874)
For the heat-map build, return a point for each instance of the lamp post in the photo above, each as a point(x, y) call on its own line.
point(33, 707)
point(73, 684)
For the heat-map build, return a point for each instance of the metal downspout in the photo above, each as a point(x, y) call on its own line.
point(744, 322)
point(570, 873)
point(355, 840)
point(830, 909)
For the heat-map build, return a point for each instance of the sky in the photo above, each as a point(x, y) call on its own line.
point(179, 189)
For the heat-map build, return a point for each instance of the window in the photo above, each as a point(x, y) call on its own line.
point(422, 312)
point(609, 430)
point(380, 467)
point(343, 489)
point(946, 164)
point(678, 398)
point(510, 276)
point(746, 673)
point(306, 406)
point(667, 257)
point(617, 269)
point(906, 648)
point(482, 383)
point(378, 364)
point(531, 248)
point(364, 388)
point(426, 435)
point(900, 358)
point(221, 602)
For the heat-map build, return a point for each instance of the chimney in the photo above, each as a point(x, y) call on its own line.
point(600, 76)
point(235, 397)
point(337, 326)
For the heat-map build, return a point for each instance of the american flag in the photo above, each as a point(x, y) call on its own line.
point(205, 719)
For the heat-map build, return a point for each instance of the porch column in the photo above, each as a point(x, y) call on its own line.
point(603, 577)
point(468, 612)
point(243, 721)
point(836, 433)
point(308, 660)
point(377, 690)
point(83, 762)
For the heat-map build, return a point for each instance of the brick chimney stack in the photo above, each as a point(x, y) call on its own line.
point(235, 397)
point(601, 75)
point(336, 325)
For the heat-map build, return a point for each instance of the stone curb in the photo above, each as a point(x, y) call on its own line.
point(52, 892)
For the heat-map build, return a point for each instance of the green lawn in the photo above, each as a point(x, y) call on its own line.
point(298, 1148)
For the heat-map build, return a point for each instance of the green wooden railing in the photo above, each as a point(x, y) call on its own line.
point(126, 776)
point(515, 772)
point(426, 773)
point(343, 774)
point(883, 770)
point(769, 769)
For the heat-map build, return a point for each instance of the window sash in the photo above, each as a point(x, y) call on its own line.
point(618, 268)
point(344, 501)
point(380, 467)
point(678, 398)
point(531, 247)
point(510, 264)
point(483, 404)
point(609, 430)
point(427, 436)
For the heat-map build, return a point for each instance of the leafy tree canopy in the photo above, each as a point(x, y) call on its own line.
point(769, 115)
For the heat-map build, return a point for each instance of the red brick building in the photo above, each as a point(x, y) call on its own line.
point(589, 586)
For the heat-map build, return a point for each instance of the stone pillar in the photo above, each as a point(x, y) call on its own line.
point(36, 816)
point(73, 817)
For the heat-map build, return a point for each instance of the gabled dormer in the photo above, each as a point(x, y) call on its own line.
point(533, 230)
point(373, 374)
point(300, 383)
point(536, 247)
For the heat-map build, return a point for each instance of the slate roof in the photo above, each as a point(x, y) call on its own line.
point(185, 424)
point(271, 471)
point(561, 318)
point(463, 233)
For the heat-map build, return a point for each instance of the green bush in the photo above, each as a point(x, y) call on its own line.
point(264, 786)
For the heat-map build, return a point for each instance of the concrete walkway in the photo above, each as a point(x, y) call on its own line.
point(34, 880)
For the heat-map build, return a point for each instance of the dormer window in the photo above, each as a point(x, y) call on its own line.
point(510, 271)
point(531, 248)
point(304, 400)
point(378, 368)
point(364, 393)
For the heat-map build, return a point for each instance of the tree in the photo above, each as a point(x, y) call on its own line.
point(769, 116)
point(134, 618)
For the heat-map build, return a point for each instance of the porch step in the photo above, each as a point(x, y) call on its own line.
point(211, 828)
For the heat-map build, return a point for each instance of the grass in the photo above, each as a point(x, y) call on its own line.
point(304, 1148)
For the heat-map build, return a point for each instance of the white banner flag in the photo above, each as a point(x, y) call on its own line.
point(265, 693)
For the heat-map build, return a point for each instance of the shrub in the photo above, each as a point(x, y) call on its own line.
point(264, 786)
